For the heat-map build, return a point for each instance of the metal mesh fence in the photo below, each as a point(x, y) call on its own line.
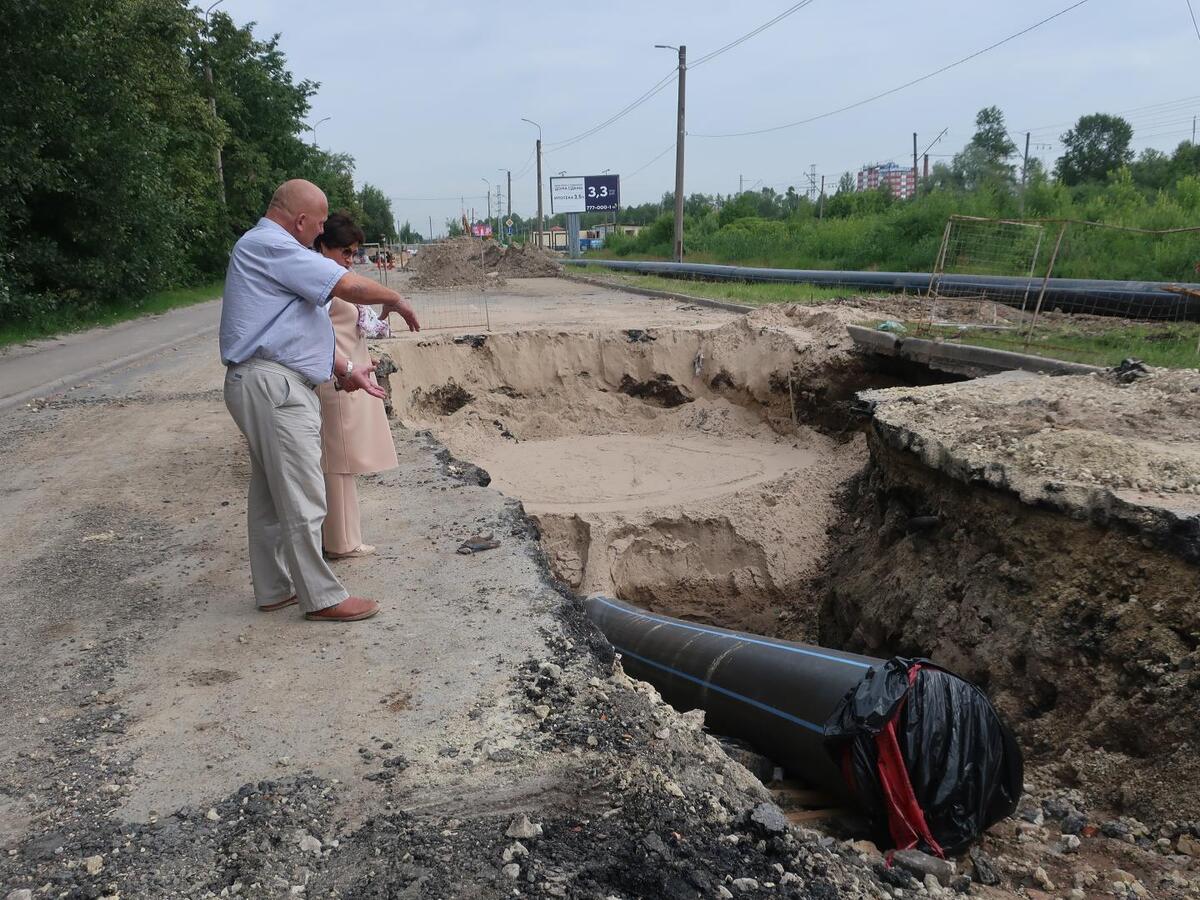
point(454, 308)
point(451, 309)
point(1089, 292)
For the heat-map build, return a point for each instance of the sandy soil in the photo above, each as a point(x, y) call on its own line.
point(162, 739)
point(661, 464)
point(625, 472)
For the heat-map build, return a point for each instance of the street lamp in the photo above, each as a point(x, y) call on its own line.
point(489, 198)
point(508, 173)
point(540, 219)
point(314, 128)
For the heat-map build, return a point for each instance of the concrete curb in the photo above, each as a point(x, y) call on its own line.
point(58, 384)
point(964, 359)
point(662, 295)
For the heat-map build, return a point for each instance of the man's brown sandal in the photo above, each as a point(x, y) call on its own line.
point(352, 609)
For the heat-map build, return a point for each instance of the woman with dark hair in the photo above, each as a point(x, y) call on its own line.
point(355, 436)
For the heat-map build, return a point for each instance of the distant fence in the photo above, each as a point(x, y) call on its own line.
point(1026, 258)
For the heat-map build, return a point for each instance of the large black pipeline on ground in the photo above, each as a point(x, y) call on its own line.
point(919, 750)
point(1132, 299)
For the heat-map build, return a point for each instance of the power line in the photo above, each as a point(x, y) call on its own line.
point(668, 79)
point(1145, 115)
point(657, 157)
point(907, 84)
point(630, 107)
point(749, 34)
point(438, 199)
point(1192, 13)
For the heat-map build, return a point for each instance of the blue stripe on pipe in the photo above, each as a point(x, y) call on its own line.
point(796, 720)
point(739, 637)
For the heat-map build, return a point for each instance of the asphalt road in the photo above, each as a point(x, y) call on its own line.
point(45, 367)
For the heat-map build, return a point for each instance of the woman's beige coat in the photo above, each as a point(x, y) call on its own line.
point(355, 436)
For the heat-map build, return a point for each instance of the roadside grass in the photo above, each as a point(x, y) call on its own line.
point(64, 321)
point(1173, 345)
point(748, 293)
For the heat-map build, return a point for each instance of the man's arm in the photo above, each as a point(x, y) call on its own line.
point(366, 292)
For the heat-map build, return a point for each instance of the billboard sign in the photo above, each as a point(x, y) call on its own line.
point(585, 193)
point(481, 231)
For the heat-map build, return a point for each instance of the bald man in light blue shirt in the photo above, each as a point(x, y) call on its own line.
point(277, 344)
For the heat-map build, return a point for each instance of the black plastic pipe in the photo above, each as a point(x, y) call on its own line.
point(919, 750)
point(1133, 299)
point(775, 694)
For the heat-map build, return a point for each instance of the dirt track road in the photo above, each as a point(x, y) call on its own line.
point(142, 689)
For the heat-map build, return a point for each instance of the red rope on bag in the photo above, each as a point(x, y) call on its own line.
point(906, 819)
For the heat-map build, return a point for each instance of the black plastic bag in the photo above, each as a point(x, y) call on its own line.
point(960, 762)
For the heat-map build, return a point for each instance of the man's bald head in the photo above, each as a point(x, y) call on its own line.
point(300, 208)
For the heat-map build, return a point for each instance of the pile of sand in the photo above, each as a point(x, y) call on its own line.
point(467, 262)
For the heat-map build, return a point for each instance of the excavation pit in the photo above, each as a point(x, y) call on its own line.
point(673, 468)
point(727, 475)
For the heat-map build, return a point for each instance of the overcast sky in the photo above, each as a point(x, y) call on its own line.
point(428, 96)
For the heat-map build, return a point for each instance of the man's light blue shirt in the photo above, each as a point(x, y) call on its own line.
point(276, 303)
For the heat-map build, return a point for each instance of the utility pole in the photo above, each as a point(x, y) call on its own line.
point(431, 228)
point(212, 102)
point(1024, 175)
point(680, 133)
point(509, 171)
point(741, 183)
point(926, 172)
point(541, 220)
point(914, 190)
point(1193, 129)
point(821, 208)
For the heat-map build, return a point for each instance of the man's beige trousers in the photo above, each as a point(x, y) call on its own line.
point(279, 414)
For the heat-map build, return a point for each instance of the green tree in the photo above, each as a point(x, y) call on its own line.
point(377, 218)
point(263, 110)
point(1097, 145)
point(105, 155)
point(409, 235)
point(454, 228)
point(984, 162)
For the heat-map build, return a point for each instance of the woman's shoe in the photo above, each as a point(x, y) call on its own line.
point(360, 550)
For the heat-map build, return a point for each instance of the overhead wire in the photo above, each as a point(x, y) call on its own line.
point(656, 158)
point(658, 86)
point(1192, 13)
point(670, 78)
point(749, 34)
point(901, 87)
point(438, 199)
point(1150, 110)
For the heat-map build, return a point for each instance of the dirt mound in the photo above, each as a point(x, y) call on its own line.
point(1055, 562)
point(467, 262)
point(456, 262)
point(521, 261)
